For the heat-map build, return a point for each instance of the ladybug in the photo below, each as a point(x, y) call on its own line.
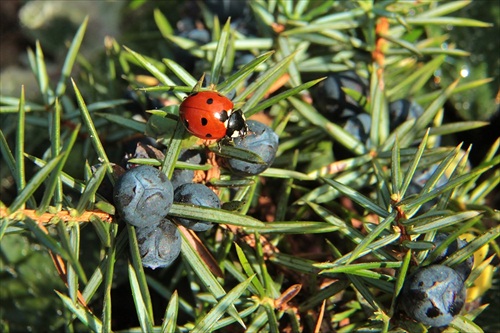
point(209, 115)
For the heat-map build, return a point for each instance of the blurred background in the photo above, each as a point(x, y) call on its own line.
point(131, 23)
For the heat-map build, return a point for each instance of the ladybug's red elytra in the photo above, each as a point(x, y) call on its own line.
point(209, 115)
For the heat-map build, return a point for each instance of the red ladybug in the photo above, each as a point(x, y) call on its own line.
point(209, 115)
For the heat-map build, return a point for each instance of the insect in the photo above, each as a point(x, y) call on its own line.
point(210, 115)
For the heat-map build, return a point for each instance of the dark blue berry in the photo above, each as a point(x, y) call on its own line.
point(261, 140)
point(225, 9)
point(159, 245)
point(184, 25)
point(464, 268)
point(145, 148)
point(201, 36)
point(199, 195)
point(402, 110)
point(433, 295)
point(143, 196)
point(359, 126)
point(333, 102)
point(187, 28)
point(183, 176)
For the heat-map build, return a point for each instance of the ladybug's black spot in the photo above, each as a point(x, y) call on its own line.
point(208, 135)
point(222, 116)
point(210, 101)
point(204, 121)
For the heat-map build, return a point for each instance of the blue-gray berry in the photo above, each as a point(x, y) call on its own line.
point(333, 102)
point(433, 295)
point(199, 195)
point(183, 176)
point(261, 140)
point(402, 110)
point(143, 196)
point(464, 268)
point(159, 245)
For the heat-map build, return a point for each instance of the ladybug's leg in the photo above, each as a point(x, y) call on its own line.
point(224, 141)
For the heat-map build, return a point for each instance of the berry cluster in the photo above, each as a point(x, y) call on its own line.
point(143, 195)
point(342, 97)
point(435, 294)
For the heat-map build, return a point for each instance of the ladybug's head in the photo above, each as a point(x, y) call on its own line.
point(236, 125)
